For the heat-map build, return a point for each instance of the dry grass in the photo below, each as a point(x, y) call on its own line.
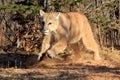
point(86, 69)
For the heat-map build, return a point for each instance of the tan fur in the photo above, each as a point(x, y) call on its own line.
point(66, 28)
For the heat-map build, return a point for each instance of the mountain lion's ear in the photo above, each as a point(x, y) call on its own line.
point(41, 12)
point(57, 14)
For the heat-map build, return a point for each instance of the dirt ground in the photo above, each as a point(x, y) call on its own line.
point(26, 67)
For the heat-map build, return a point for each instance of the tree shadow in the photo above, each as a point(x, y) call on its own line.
point(58, 71)
point(66, 73)
point(16, 60)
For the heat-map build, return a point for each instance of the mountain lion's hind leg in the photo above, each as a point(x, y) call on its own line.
point(91, 45)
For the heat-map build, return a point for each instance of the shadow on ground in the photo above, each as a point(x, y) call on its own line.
point(21, 66)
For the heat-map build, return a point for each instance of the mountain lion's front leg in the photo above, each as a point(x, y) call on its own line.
point(45, 46)
point(57, 48)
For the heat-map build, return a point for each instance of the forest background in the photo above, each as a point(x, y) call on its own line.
point(20, 25)
point(21, 38)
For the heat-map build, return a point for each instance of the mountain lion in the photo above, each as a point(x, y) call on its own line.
point(61, 29)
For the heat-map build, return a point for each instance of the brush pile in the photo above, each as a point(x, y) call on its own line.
point(19, 34)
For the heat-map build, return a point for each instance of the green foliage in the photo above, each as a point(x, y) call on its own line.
point(23, 9)
point(68, 5)
point(84, 1)
point(111, 4)
point(101, 20)
point(61, 5)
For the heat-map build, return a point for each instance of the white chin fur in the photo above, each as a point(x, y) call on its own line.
point(46, 32)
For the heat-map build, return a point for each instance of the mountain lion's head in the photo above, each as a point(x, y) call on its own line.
point(49, 22)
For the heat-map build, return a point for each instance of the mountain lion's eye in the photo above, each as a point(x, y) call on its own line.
point(49, 23)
